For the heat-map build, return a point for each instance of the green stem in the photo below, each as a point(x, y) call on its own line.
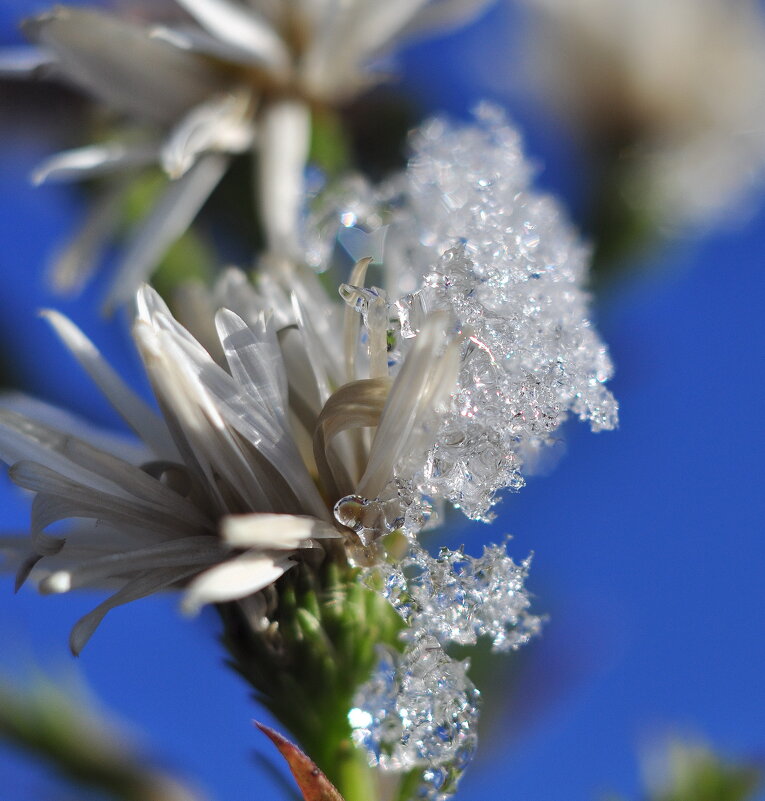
point(355, 779)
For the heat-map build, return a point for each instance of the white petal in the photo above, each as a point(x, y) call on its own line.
point(164, 224)
point(237, 578)
point(147, 584)
point(255, 360)
point(119, 63)
point(274, 531)
point(243, 28)
point(198, 41)
point(92, 161)
point(417, 388)
point(284, 133)
point(78, 258)
point(221, 124)
point(444, 15)
point(189, 552)
point(148, 425)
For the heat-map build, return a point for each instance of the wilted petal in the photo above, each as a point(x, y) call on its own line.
point(237, 578)
point(189, 552)
point(119, 63)
point(418, 387)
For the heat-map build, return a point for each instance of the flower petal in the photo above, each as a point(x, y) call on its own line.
point(243, 28)
point(92, 161)
point(120, 64)
point(164, 224)
point(137, 414)
point(274, 531)
point(237, 578)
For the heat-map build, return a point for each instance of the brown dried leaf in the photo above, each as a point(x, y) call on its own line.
point(314, 785)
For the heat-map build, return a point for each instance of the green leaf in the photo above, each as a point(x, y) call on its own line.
point(314, 785)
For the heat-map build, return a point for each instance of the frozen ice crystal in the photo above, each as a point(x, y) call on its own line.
point(419, 709)
point(467, 234)
point(458, 598)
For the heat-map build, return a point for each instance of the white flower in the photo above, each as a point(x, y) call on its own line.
point(683, 81)
point(243, 78)
point(228, 501)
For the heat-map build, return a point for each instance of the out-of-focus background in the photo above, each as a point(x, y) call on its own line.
point(649, 542)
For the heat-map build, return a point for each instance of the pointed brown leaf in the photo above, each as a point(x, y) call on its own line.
point(314, 785)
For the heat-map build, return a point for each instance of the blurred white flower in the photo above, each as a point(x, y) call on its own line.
point(243, 76)
point(680, 84)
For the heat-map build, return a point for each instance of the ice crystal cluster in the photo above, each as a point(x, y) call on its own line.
point(466, 233)
point(420, 708)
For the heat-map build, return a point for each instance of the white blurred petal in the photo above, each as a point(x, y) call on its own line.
point(282, 532)
point(92, 161)
point(120, 64)
point(241, 27)
point(147, 584)
point(284, 133)
point(164, 224)
point(237, 578)
point(221, 124)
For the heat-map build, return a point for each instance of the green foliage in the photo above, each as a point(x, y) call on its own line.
point(306, 667)
point(47, 724)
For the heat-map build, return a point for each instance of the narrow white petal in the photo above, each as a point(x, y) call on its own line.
point(77, 259)
point(412, 393)
point(274, 531)
point(237, 578)
point(119, 63)
point(284, 133)
point(164, 224)
point(243, 28)
point(59, 498)
point(255, 360)
point(221, 124)
point(198, 41)
point(92, 161)
point(189, 552)
point(444, 15)
point(148, 425)
point(36, 412)
point(147, 584)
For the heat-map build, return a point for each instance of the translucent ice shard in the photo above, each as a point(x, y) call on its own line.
point(466, 233)
point(419, 710)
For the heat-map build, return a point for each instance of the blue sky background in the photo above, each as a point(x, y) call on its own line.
point(650, 554)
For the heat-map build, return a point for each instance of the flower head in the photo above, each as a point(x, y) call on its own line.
point(678, 86)
point(243, 77)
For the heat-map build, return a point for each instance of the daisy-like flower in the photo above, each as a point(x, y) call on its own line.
point(677, 86)
point(227, 502)
point(243, 76)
